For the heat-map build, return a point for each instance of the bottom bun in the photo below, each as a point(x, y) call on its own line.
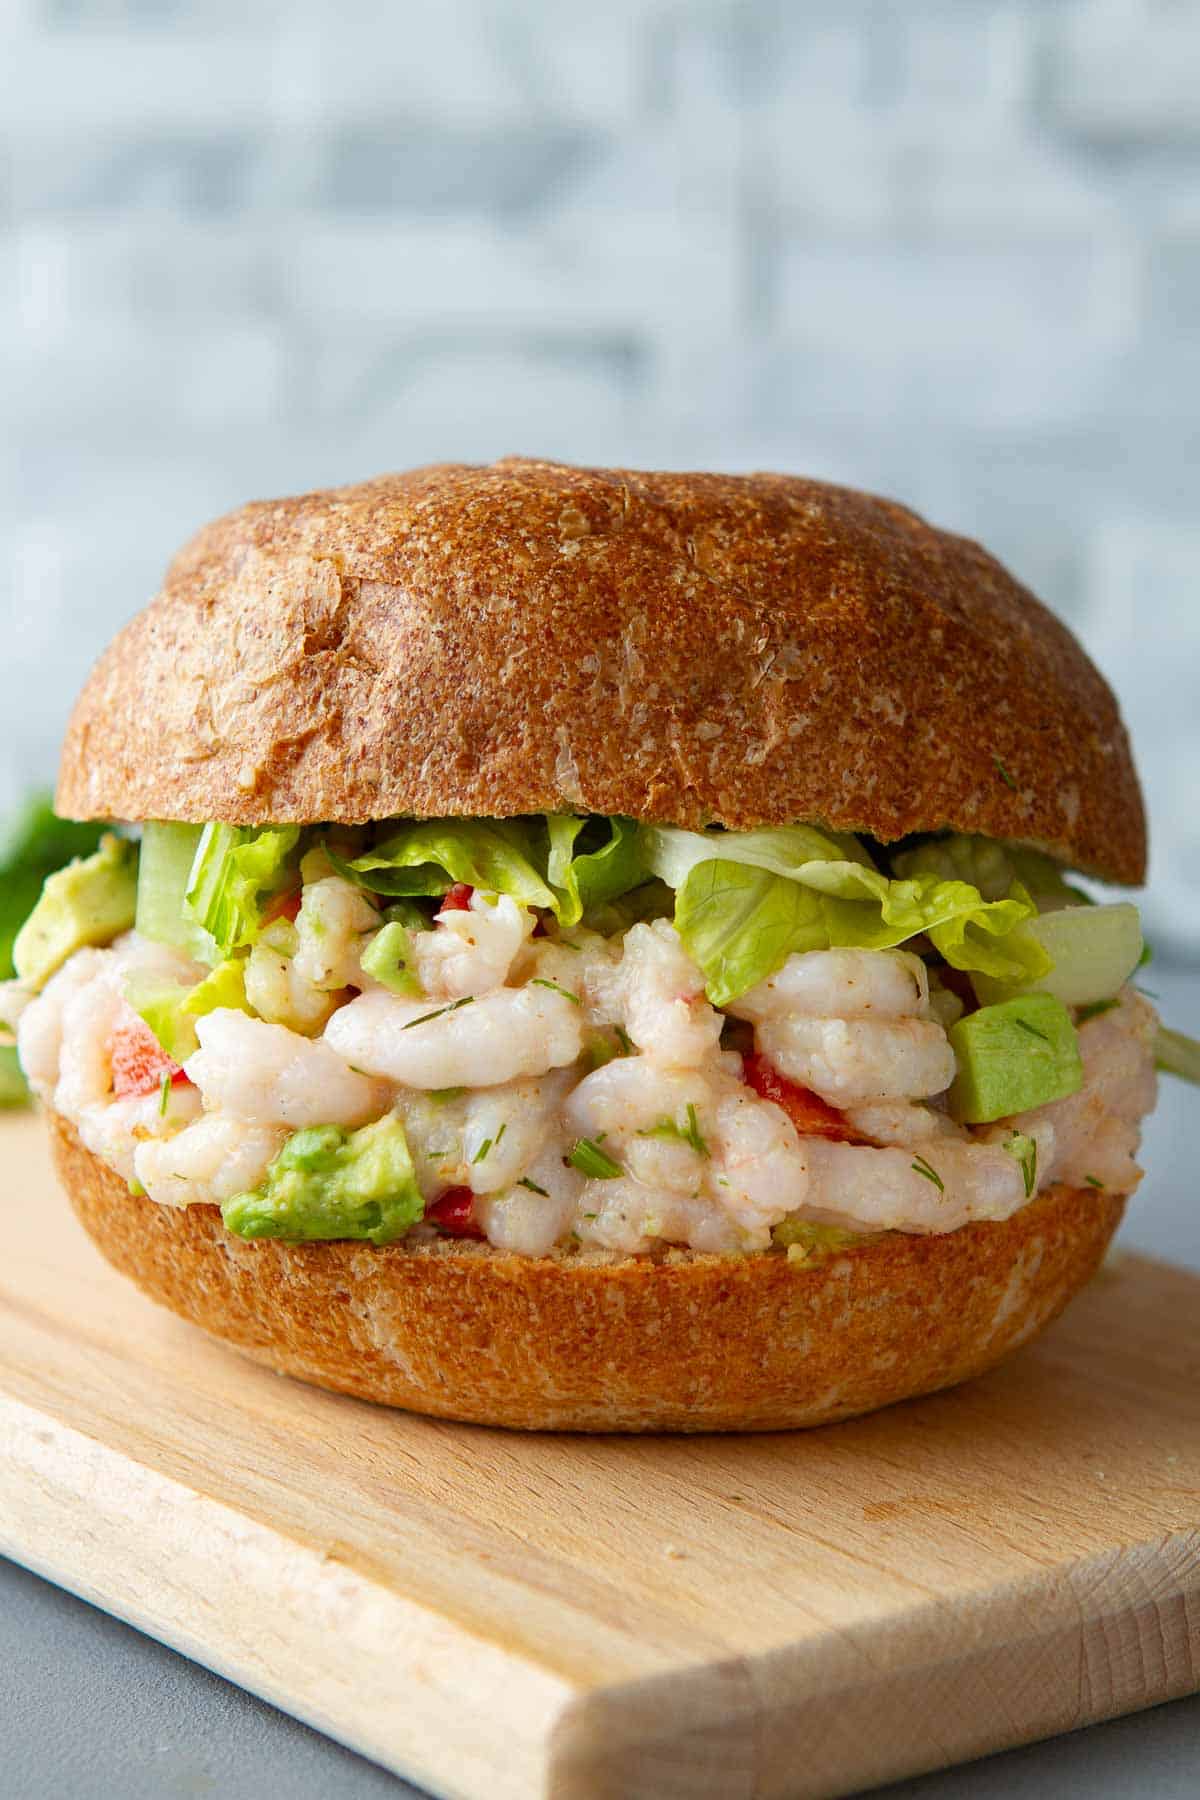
point(687, 1343)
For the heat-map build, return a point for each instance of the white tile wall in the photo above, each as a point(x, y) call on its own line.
point(950, 250)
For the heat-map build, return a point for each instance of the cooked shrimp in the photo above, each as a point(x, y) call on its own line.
point(657, 993)
point(841, 984)
point(481, 1043)
point(471, 949)
point(208, 1162)
point(332, 925)
point(934, 1190)
point(849, 1061)
point(1097, 1130)
point(268, 1075)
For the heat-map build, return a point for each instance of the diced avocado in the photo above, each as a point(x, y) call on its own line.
point(330, 1183)
point(14, 1090)
point(171, 1010)
point(1094, 950)
point(806, 1242)
point(91, 901)
point(1014, 1056)
point(388, 957)
point(168, 851)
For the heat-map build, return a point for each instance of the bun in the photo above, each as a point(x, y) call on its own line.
point(530, 637)
point(692, 1343)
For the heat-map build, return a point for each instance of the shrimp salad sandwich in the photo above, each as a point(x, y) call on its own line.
point(597, 950)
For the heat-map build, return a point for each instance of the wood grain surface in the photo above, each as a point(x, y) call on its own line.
point(491, 1614)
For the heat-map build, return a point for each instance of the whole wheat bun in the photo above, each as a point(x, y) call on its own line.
point(694, 1343)
point(529, 637)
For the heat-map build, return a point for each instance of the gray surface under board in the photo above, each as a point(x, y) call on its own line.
point(91, 1709)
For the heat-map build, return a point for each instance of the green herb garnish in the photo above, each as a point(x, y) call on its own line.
point(164, 1093)
point(438, 1012)
point(1032, 1030)
point(591, 1160)
point(533, 1187)
point(1093, 1182)
point(1024, 1149)
point(481, 1152)
point(1004, 775)
point(929, 1172)
point(687, 1134)
point(540, 981)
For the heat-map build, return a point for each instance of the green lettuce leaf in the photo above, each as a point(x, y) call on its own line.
point(429, 856)
point(1177, 1054)
point(991, 867)
point(740, 922)
point(171, 1010)
point(672, 854)
point(590, 877)
point(237, 870)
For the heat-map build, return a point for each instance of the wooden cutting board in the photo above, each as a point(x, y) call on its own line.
point(496, 1615)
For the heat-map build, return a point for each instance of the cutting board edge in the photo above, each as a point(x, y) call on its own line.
point(1094, 1639)
point(46, 1491)
point(1079, 1637)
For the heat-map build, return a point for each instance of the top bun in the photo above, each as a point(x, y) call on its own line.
point(530, 637)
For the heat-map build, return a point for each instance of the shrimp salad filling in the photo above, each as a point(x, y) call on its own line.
point(585, 1034)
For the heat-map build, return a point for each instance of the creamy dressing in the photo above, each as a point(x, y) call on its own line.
point(522, 1047)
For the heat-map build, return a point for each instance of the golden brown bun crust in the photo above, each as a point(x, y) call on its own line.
point(530, 637)
point(700, 1344)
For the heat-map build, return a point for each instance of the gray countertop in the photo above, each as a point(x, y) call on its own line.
point(92, 1709)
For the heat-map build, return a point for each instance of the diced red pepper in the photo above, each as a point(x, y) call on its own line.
point(454, 1213)
point(284, 906)
point(458, 899)
point(138, 1061)
point(812, 1116)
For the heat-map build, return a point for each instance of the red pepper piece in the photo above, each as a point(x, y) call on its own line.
point(139, 1062)
point(284, 906)
point(812, 1116)
point(458, 899)
point(454, 1213)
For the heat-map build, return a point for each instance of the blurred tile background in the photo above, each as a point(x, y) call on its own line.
point(949, 250)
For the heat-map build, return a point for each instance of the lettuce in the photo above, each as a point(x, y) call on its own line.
point(991, 867)
point(171, 1010)
point(590, 878)
point(429, 856)
point(740, 920)
point(236, 871)
point(1177, 1054)
point(786, 850)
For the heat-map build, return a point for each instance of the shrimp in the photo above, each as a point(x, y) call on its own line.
point(531, 1216)
point(1097, 1130)
point(840, 984)
point(208, 1161)
point(931, 1191)
point(484, 1140)
point(331, 926)
point(268, 1075)
point(481, 1042)
point(852, 1025)
point(471, 949)
point(657, 992)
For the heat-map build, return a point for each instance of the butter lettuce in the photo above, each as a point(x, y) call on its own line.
point(429, 856)
point(171, 1010)
point(588, 877)
point(237, 870)
point(327, 1182)
point(740, 915)
point(1177, 1054)
point(991, 867)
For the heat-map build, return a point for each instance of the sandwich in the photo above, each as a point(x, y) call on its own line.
point(593, 950)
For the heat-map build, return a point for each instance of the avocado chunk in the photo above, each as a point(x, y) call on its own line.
point(91, 901)
point(330, 1183)
point(1014, 1056)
